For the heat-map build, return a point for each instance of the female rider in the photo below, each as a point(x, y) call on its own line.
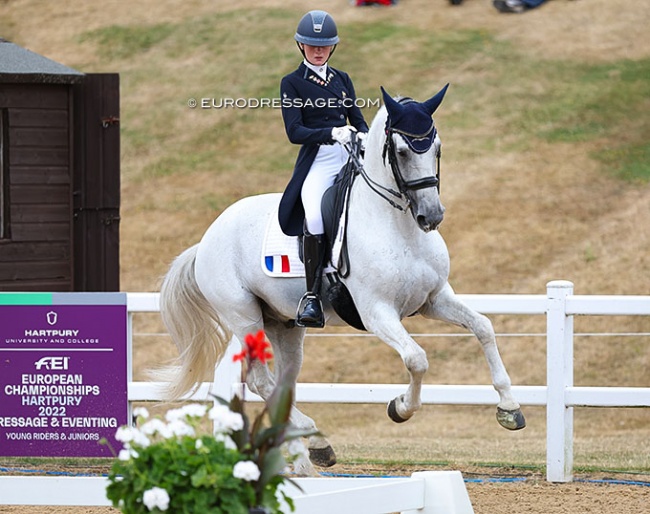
point(319, 112)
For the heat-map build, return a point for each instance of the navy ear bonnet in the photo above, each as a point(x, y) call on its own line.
point(413, 120)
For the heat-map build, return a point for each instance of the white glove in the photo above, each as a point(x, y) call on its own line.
point(342, 134)
point(361, 136)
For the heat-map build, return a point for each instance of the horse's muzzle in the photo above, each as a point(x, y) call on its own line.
point(430, 222)
point(428, 212)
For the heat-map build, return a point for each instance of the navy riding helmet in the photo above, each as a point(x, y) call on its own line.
point(317, 28)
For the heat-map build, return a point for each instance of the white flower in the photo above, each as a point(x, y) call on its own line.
point(141, 412)
point(141, 440)
point(126, 434)
point(194, 410)
point(156, 498)
point(179, 428)
point(199, 444)
point(125, 454)
point(174, 414)
point(226, 440)
point(156, 426)
point(246, 470)
point(225, 420)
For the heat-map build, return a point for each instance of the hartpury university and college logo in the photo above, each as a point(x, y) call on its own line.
point(52, 318)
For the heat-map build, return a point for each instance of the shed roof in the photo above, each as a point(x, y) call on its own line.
point(18, 64)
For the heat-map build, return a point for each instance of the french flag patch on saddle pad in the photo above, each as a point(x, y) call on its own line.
point(277, 263)
point(280, 253)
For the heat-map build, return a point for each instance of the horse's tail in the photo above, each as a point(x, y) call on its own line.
point(194, 326)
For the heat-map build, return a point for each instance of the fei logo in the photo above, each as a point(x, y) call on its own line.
point(52, 363)
point(51, 318)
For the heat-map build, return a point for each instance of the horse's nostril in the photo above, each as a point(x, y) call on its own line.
point(424, 224)
point(428, 223)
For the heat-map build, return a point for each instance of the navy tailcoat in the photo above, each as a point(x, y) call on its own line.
point(311, 107)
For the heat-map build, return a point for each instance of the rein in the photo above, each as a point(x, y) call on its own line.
point(382, 191)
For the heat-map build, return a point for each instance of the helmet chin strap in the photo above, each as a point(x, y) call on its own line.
point(302, 51)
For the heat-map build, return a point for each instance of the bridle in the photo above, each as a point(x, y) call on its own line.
point(409, 185)
point(403, 186)
point(356, 168)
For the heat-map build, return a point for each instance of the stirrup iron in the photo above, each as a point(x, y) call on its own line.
point(310, 311)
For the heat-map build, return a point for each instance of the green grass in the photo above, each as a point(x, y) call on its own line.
point(629, 162)
point(123, 42)
point(554, 101)
point(597, 101)
point(607, 103)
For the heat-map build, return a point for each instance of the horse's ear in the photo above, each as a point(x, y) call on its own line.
point(392, 106)
point(434, 102)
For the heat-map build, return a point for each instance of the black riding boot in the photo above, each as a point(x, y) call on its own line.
point(310, 309)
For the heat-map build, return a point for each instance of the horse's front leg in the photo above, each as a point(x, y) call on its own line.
point(447, 307)
point(385, 324)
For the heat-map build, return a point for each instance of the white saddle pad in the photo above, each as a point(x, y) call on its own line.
point(281, 254)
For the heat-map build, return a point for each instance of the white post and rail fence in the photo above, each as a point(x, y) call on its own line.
point(427, 492)
point(559, 396)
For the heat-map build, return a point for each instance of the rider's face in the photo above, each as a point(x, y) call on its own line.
point(317, 55)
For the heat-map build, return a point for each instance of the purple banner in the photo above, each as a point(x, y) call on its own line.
point(63, 379)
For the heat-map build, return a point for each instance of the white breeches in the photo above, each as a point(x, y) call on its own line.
point(329, 161)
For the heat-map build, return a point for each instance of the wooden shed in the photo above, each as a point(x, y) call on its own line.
point(59, 175)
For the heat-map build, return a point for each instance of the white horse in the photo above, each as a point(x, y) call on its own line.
point(399, 266)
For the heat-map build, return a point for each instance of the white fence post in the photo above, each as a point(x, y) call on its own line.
point(559, 377)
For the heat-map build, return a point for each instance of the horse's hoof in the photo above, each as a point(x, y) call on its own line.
point(392, 412)
point(323, 457)
point(511, 419)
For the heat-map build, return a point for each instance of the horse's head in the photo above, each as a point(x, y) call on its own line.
point(411, 151)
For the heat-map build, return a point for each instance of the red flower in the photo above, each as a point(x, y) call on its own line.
point(256, 348)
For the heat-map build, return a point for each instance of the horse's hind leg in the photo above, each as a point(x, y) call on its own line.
point(288, 347)
point(447, 307)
